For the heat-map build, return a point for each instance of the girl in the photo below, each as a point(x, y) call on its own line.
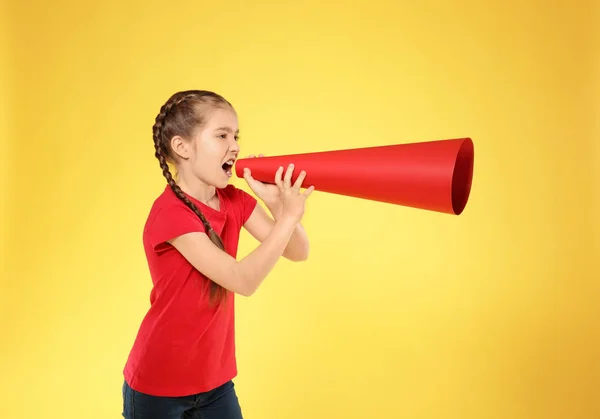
point(183, 359)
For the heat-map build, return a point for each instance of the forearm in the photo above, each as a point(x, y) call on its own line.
point(256, 266)
point(298, 245)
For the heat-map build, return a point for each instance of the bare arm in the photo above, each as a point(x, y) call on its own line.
point(243, 277)
point(260, 224)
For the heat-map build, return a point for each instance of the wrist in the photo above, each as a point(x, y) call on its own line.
point(275, 208)
point(286, 221)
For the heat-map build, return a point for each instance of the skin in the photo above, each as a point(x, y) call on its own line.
point(199, 163)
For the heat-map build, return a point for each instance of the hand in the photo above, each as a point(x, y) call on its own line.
point(269, 194)
point(292, 200)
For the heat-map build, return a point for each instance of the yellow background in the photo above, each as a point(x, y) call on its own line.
point(490, 315)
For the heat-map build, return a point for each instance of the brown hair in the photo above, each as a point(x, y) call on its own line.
point(181, 115)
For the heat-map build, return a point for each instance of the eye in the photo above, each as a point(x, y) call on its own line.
point(224, 136)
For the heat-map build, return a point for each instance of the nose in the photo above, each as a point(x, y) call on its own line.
point(234, 146)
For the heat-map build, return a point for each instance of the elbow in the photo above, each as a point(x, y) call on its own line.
point(303, 257)
point(300, 255)
point(246, 291)
point(245, 286)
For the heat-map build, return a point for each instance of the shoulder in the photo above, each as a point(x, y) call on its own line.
point(168, 218)
point(167, 205)
point(232, 192)
point(242, 203)
point(236, 195)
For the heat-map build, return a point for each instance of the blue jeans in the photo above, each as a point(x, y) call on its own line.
point(220, 403)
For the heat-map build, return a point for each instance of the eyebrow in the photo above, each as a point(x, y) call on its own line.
point(227, 129)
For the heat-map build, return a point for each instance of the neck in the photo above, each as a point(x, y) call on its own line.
point(194, 187)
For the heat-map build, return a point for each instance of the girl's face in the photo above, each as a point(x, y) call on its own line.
point(213, 150)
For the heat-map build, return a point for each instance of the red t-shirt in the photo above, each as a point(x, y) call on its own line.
point(184, 346)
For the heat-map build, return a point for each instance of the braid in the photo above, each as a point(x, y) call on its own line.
point(161, 147)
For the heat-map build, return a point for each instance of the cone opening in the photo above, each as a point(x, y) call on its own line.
point(462, 177)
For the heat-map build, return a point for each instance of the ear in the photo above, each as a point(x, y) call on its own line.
point(180, 147)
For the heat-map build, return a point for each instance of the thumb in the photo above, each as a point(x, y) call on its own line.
point(248, 175)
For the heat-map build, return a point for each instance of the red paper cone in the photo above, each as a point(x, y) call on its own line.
point(434, 175)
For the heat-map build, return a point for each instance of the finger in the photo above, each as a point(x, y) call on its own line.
point(298, 183)
point(251, 156)
point(261, 155)
point(287, 181)
point(308, 191)
point(278, 180)
point(248, 174)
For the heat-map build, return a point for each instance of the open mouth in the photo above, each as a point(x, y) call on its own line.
point(227, 166)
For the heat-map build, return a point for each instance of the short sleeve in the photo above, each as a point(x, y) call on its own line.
point(246, 203)
point(171, 222)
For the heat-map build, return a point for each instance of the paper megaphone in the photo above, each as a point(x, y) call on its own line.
point(434, 175)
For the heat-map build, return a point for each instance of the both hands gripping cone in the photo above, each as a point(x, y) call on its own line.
point(434, 175)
